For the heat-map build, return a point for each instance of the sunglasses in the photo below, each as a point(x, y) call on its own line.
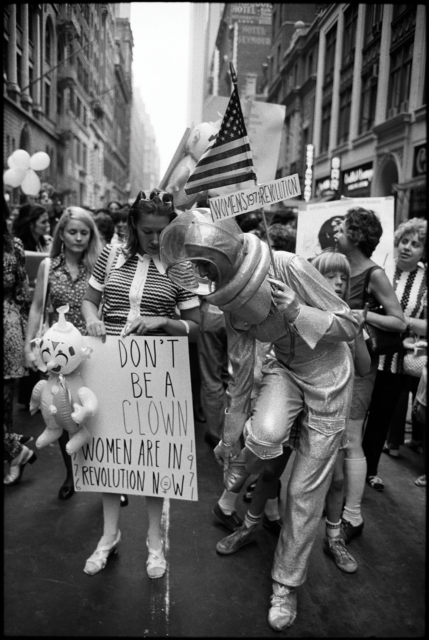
point(150, 195)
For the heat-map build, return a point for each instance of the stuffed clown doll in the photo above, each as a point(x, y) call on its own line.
point(63, 399)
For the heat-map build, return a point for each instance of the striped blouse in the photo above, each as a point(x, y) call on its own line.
point(411, 290)
point(137, 286)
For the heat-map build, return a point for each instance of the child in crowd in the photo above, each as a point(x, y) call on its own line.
point(335, 268)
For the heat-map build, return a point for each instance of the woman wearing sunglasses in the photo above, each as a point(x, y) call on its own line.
point(148, 309)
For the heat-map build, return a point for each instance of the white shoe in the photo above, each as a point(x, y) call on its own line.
point(17, 465)
point(156, 563)
point(98, 560)
point(283, 607)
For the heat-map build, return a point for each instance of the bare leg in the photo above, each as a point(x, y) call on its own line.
point(154, 509)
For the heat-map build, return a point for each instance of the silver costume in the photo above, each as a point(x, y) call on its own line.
point(312, 377)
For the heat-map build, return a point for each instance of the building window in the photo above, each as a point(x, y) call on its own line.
point(47, 99)
point(373, 21)
point(331, 41)
point(18, 69)
point(5, 56)
point(48, 42)
point(59, 103)
point(30, 80)
point(326, 125)
point(310, 64)
point(349, 38)
point(368, 99)
point(400, 78)
point(279, 53)
point(345, 108)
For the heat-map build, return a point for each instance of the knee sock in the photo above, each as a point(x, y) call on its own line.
point(251, 520)
point(332, 529)
point(227, 502)
point(272, 509)
point(355, 475)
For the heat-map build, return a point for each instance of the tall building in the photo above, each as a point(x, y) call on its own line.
point(144, 165)
point(67, 91)
point(363, 66)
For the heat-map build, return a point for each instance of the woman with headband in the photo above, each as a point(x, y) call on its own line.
point(138, 298)
point(293, 307)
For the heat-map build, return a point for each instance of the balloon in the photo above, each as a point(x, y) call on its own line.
point(39, 161)
point(31, 183)
point(13, 177)
point(20, 159)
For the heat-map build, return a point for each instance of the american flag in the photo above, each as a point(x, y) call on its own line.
point(228, 160)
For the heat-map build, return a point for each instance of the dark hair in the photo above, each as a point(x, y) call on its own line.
point(326, 235)
point(249, 221)
point(282, 238)
point(284, 217)
point(114, 202)
point(105, 225)
point(28, 214)
point(119, 216)
point(159, 203)
point(363, 228)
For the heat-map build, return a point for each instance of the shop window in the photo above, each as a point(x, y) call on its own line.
point(400, 78)
point(418, 202)
point(368, 99)
point(349, 38)
point(344, 120)
point(326, 125)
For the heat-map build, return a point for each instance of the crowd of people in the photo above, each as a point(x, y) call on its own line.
point(283, 367)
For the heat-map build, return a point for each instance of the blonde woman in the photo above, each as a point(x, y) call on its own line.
point(75, 248)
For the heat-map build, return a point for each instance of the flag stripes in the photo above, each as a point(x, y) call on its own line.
point(228, 160)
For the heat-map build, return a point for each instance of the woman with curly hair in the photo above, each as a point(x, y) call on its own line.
point(357, 237)
point(392, 386)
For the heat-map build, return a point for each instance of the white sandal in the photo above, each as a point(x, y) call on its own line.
point(156, 563)
point(98, 560)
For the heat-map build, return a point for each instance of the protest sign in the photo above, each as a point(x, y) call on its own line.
point(317, 224)
point(245, 200)
point(143, 433)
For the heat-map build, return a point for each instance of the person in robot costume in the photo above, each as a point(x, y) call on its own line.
point(311, 377)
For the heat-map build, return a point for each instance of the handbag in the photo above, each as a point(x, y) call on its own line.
point(380, 342)
point(411, 361)
point(44, 319)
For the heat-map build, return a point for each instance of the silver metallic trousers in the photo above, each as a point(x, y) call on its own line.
point(280, 402)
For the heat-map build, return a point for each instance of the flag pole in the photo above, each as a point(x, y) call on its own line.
point(264, 220)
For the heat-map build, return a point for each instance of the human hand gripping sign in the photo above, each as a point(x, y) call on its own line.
point(285, 299)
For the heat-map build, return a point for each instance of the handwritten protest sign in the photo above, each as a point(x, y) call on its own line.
point(232, 204)
point(317, 225)
point(143, 434)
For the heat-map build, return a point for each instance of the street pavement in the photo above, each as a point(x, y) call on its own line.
point(46, 543)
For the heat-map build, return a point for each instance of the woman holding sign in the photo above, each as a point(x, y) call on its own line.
point(138, 298)
point(289, 304)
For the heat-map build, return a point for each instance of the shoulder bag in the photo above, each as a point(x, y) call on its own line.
point(380, 342)
point(44, 320)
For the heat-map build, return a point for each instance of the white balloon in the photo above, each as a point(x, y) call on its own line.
point(39, 161)
point(31, 183)
point(13, 177)
point(19, 159)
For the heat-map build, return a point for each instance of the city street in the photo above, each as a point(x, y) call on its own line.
point(46, 542)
